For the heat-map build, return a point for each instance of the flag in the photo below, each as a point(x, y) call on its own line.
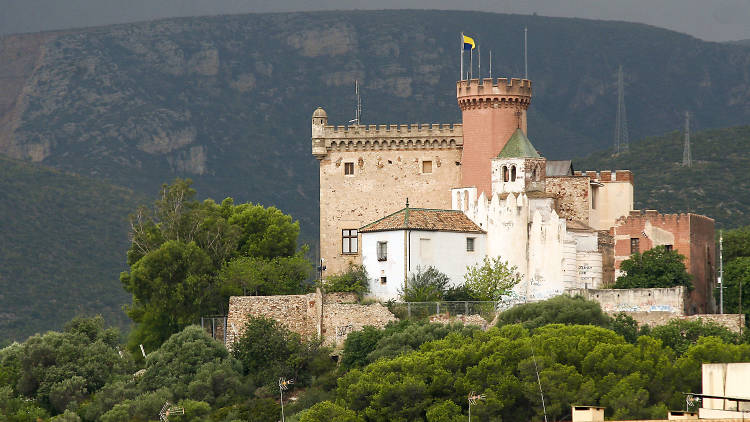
point(468, 43)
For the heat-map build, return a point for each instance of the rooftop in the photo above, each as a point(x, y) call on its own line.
point(518, 146)
point(424, 219)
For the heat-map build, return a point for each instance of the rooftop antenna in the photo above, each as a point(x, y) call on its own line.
point(358, 107)
point(283, 385)
point(621, 121)
point(479, 56)
point(473, 398)
point(687, 156)
point(168, 409)
point(525, 55)
point(490, 64)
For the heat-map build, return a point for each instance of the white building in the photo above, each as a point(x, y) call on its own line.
point(396, 245)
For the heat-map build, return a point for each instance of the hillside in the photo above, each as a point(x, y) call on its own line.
point(227, 101)
point(62, 245)
point(716, 185)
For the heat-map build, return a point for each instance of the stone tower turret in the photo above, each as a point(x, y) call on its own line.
point(319, 122)
point(492, 111)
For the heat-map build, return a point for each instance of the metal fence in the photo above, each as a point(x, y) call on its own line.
point(215, 326)
point(423, 310)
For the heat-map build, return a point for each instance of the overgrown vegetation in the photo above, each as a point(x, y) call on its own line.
point(656, 267)
point(188, 257)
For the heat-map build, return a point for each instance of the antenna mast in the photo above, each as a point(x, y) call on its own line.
point(721, 272)
point(358, 107)
point(687, 156)
point(490, 64)
point(621, 121)
point(525, 55)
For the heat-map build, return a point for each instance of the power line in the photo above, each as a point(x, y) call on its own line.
point(687, 156)
point(621, 120)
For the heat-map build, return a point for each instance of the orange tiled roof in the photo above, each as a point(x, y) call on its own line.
point(424, 219)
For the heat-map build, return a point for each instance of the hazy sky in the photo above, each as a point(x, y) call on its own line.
point(713, 20)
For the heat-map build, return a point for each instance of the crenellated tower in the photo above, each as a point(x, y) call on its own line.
point(492, 110)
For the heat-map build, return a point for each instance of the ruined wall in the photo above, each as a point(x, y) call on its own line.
point(689, 234)
point(388, 164)
point(606, 248)
point(731, 321)
point(340, 319)
point(671, 300)
point(332, 316)
point(571, 193)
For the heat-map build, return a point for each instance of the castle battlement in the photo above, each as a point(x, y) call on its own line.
point(390, 130)
point(607, 176)
point(499, 87)
point(328, 138)
point(639, 216)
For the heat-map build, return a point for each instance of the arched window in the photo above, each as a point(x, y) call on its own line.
point(505, 174)
point(459, 203)
point(539, 173)
point(513, 173)
point(534, 174)
point(466, 200)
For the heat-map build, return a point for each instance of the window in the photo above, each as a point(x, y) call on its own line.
point(382, 251)
point(635, 245)
point(349, 169)
point(349, 241)
point(513, 173)
point(505, 174)
point(668, 247)
point(383, 280)
point(426, 166)
point(469, 244)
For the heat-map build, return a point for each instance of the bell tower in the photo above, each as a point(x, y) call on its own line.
point(492, 110)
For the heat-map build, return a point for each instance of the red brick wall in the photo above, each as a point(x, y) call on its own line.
point(693, 238)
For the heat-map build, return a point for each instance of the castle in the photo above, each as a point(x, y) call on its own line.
point(400, 197)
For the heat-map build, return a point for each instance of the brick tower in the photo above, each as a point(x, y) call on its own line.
point(492, 111)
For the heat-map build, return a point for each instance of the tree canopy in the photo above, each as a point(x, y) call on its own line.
point(187, 257)
point(656, 267)
point(491, 279)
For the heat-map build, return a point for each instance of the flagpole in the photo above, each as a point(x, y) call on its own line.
point(461, 76)
point(490, 64)
point(479, 56)
point(471, 64)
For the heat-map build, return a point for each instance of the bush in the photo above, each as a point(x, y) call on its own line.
point(354, 279)
point(491, 279)
point(426, 285)
point(656, 267)
point(558, 310)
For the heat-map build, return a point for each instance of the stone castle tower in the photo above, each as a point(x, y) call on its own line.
point(368, 171)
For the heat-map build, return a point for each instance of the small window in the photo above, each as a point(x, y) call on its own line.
point(635, 245)
point(382, 251)
point(349, 241)
point(383, 280)
point(349, 169)
point(505, 174)
point(513, 173)
point(668, 248)
point(469, 244)
point(426, 166)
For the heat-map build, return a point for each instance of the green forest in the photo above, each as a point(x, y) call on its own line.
point(186, 257)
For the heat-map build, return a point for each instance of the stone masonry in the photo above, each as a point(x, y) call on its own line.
point(331, 316)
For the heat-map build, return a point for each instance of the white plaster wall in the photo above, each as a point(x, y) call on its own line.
point(507, 232)
point(726, 379)
point(586, 241)
point(392, 268)
point(589, 270)
point(615, 199)
point(448, 255)
point(459, 198)
point(498, 185)
point(546, 257)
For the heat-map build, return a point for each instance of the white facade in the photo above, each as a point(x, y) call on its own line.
point(528, 234)
point(409, 249)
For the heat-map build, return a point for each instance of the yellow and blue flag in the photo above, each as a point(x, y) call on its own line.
point(468, 43)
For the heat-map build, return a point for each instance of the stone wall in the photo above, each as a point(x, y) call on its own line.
point(381, 183)
point(671, 300)
point(571, 196)
point(654, 306)
point(332, 316)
